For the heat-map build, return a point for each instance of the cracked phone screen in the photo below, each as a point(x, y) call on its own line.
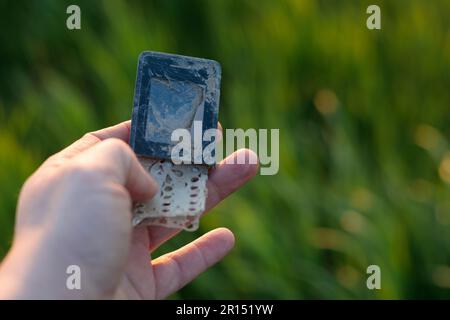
point(171, 93)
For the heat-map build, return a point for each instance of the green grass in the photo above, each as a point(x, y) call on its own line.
point(363, 118)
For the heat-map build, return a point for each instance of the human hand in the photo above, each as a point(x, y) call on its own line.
point(76, 210)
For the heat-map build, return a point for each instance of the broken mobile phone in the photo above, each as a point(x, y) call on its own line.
point(175, 97)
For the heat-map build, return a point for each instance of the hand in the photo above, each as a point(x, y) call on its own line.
point(76, 210)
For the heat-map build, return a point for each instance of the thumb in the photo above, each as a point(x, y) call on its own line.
point(113, 159)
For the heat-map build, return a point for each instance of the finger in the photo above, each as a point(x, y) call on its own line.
point(119, 131)
point(223, 180)
point(229, 175)
point(114, 160)
point(174, 270)
point(219, 134)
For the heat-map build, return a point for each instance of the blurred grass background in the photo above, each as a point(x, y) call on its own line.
point(363, 118)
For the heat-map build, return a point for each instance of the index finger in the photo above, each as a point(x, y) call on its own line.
point(119, 131)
